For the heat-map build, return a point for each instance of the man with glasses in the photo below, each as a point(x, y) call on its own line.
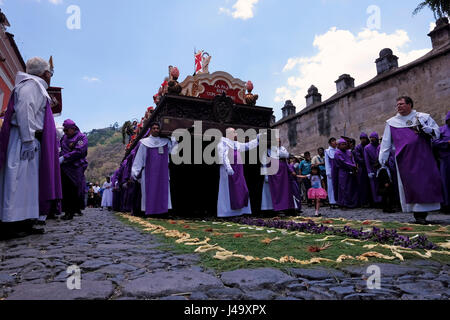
point(409, 134)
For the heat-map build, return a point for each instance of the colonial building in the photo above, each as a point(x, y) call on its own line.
point(11, 61)
point(368, 106)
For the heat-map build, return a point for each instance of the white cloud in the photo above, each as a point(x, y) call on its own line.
point(339, 52)
point(243, 9)
point(91, 79)
point(432, 26)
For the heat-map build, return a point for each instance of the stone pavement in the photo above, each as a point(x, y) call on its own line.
point(375, 214)
point(119, 262)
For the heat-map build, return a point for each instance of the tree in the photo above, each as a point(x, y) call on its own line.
point(440, 8)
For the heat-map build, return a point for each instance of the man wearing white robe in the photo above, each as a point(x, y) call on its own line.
point(275, 153)
point(138, 171)
point(107, 194)
point(226, 149)
point(19, 177)
point(329, 157)
point(406, 121)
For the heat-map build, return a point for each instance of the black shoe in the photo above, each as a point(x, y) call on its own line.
point(67, 217)
point(36, 231)
point(421, 218)
point(41, 223)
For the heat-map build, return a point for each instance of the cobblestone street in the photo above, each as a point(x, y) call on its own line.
point(119, 262)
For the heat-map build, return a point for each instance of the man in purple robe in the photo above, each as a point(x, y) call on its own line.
point(74, 149)
point(371, 152)
point(278, 194)
point(442, 145)
point(409, 133)
point(346, 172)
point(362, 175)
point(30, 181)
point(151, 168)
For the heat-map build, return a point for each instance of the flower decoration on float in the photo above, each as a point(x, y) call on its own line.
point(250, 98)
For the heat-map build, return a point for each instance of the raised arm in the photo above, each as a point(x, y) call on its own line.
point(243, 147)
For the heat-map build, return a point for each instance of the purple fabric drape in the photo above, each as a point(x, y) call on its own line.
point(418, 169)
point(157, 181)
point(239, 196)
point(281, 188)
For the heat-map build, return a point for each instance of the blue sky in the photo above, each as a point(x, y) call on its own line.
point(111, 67)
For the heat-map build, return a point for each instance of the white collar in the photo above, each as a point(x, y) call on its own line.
point(155, 142)
point(22, 76)
point(408, 121)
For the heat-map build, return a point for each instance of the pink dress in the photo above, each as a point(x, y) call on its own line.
point(316, 191)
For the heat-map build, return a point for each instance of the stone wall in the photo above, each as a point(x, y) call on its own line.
point(368, 106)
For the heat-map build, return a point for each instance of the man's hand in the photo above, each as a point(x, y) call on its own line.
point(61, 160)
point(230, 171)
point(425, 128)
point(28, 151)
point(371, 175)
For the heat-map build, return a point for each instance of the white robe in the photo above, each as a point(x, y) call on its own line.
point(19, 179)
point(140, 161)
point(387, 145)
point(107, 195)
point(223, 202)
point(329, 154)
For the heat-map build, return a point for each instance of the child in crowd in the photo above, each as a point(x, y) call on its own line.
point(317, 191)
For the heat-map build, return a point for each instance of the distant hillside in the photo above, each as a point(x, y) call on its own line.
point(105, 153)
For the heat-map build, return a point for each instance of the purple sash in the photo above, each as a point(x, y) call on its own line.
point(236, 184)
point(157, 181)
point(281, 188)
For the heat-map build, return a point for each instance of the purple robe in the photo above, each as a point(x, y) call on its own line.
point(442, 145)
point(136, 192)
point(116, 191)
point(362, 176)
point(281, 188)
point(50, 190)
point(157, 181)
point(239, 195)
point(75, 164)
point(371, 153)
point(418, 169)
point(348, 185)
